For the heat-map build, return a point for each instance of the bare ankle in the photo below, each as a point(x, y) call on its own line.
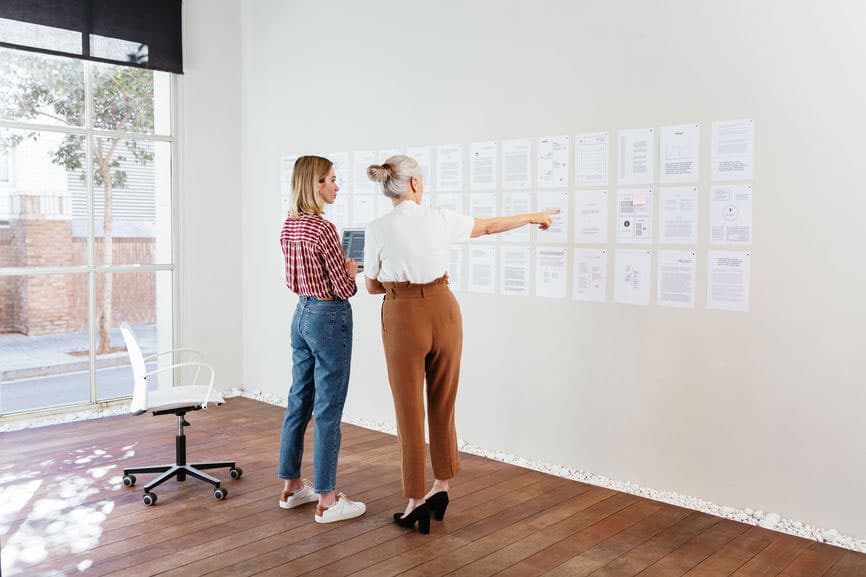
point(292, 485)
point(327, 499)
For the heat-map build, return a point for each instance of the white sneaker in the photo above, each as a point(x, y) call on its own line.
point(343, 509)
point(303, 495)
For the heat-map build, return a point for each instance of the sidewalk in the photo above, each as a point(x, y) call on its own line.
point(24, 357)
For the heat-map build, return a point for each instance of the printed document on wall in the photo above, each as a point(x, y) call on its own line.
point(633, 270)
point(590, 216)
point(287, 165)
point(363, 209)
point(553, 200)
point(449, 167)
point(550, 271)
point(678, 215)
point(338, 212)
point(732, 150)
point(482, 165)
point(731, 214)
point(679, 151)
point(553, 162)
point(516, 163)
point(455, 267)
point(590, 158)
point(516, 203)
point(483, 205)
point(634, 215)
point(636, 156)
point(342, 169)
point(590, 274)
point(361, 183)
point(676, 278)
point(384, 205)
point(514, 270)
point(482, 269)
point(424, 156)
point(728, 283)
point(453, 201)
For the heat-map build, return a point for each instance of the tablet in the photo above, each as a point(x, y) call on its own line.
point(353, 245)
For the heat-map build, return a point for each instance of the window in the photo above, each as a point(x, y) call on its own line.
point(86, 224)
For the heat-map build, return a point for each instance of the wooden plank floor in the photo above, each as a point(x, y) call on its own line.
point(63, 511)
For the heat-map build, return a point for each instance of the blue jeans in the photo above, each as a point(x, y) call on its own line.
point(321, 355)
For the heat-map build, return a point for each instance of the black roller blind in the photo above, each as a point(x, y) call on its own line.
point(144, 33)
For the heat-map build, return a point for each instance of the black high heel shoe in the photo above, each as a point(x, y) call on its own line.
point(438, 503)
point(421, 514)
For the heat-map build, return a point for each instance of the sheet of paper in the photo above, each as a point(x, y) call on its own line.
point(636, 156)
point(514, 270)
point(451, 200)
point(287, 165)
point(449, 167)
point(342, 169)
point(455, 267)
point(550, 200)
point(383, 205)
point(676, 278)
point(483, 205)
point(728, 283)
point(516, 163)
point(551, 264)
point(361, 183)
point(633, 271)
point(387, 153)
point(482, 269)
point(338, 213)
point(482, 165)
point(553, 161)
point(516, 203)
point(590, 158)
point(590, 216)
point(590, 275)
point(732, 150)
point(634, 216)
point(678, 215)
point(363, 209)
point(424, 156)
point(731, 214)
point(679, 148)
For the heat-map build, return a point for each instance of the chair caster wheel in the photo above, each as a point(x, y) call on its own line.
point(220, 493)
point(236, 472)
point(149, 499)
point(128, 480)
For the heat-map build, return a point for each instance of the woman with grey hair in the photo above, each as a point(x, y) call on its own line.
point(406, 257)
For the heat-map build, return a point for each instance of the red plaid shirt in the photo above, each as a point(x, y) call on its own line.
point(315, 263)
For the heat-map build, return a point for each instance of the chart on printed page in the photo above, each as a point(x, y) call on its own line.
point(634, 215)
point(361, 161)
point(732, 150)
point(551, 264)
point(728, 283)
point(678, 152)
point(590, 158)
point(553, 200)
point(553, 161)
point(636, 164)
point(516, 203)
point(590, 216)
point(676, 278)
point(482, 165)
point(731, 214)
point(678, 215)
point(516, 164)
point(449, 167)
point(514, 270)
point(590, 275)
point(633, 271)
point(482, 269)
point(423, 155)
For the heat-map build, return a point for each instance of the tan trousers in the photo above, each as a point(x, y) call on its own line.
point(422, 332)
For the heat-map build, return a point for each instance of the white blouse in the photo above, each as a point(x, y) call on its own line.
point(412, 243)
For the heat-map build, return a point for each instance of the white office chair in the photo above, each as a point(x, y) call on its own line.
point(178, 400)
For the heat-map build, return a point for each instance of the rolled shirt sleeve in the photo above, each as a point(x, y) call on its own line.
point(335, 263)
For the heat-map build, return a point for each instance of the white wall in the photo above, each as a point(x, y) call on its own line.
point(761, 409)
point(209, 115)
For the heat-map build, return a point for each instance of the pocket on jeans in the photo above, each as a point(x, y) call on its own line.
point(319, 326)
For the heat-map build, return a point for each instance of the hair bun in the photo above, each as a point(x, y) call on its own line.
point(378, 172)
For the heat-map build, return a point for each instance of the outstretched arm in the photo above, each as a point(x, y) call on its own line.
point(499, 224)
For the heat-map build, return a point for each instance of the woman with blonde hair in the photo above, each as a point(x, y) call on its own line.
point(406, 255)
point(318, 272)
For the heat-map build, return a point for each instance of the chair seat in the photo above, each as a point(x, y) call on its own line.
point(179, 397)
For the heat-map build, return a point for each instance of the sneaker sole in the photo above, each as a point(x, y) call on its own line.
point(323, 520)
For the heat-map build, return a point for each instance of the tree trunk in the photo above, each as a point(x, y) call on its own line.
point(104, 345)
